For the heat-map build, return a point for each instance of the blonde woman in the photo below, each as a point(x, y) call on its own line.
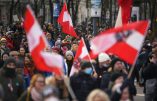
point(98, 95)
point(33, 91)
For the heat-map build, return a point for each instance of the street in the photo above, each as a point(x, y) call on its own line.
point(140, 95)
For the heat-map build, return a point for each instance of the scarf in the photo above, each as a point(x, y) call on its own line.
point(35, 95)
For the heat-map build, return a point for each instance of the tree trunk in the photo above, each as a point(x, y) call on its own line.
point(51, 10)
point(11, 11)
point(43, 2)
point(36, 7)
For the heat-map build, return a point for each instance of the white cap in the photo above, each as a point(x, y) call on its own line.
point(103, 57)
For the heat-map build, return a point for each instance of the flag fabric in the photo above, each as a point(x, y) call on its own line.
point(125, 41)
point(124, 12)
point(81, 54)
point(48, 62)
point(65, 21)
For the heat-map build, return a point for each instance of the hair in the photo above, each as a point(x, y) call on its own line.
point(97, 93)
point(29, 57)
point(4, 54)
point(32, 84)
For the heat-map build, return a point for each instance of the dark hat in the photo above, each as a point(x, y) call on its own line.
point(115, 75)
point(85, 64)
point(114, 61)
point(10, 60)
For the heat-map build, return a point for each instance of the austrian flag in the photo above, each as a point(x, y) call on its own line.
point(125, 41)
point(65, 21)
point(49, 62)
point(81, 54)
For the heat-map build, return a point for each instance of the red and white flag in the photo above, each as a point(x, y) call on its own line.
point(49, 62)
point(65, 21)
point(81, 54)
point(125, 41)
point(124, 12)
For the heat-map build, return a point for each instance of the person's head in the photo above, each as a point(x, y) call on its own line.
point(98, 95)
point(38, 82)
point(50, 93)
point(3, 42)
point(28, 60)
point(5, 56)
point(69, 55)
point(74, 46)
point(117, 77)
point(104, 60)
point(125, 94)
point(9, 67)
point(14, 54)
point(48, 36)
point(48, 49)
point(8, 34)
point(86, 67)
point(153, 58)
point(117, 65)
point(22, 51)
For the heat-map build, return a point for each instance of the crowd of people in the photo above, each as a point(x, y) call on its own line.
point(103, 79)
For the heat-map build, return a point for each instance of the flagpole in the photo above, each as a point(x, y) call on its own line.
point(89, 56)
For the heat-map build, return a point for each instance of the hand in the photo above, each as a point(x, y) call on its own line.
point(95, 75)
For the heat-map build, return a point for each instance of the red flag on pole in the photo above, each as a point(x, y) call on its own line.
point(49, 62)
point(65, 21)
point(82, 53)
point(124, 12)
point(125, 41)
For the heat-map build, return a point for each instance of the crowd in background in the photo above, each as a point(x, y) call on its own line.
point(107, 81)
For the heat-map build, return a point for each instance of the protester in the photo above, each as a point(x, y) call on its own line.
point(11, 83)
point(58, 82)
point(97, 95)
point(50, 93)
point(33, 93)
point(4, 58)
point(150, 75)
point(29, 69)
point(69, 60)
point(83, 83)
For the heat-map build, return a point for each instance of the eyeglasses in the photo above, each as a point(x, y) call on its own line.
point(40, 81)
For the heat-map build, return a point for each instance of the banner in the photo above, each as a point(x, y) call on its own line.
point(56, 9)
point(95, 8)
point(135, 14)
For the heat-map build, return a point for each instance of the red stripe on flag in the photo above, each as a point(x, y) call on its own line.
point(124, 51)
point(138, 26)
point(39, 60)
point(79, 50)
point(29, 20)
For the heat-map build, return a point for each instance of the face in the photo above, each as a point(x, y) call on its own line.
point(3, 44)
point(11, 65)
point(27, 60)
point(22, 51)
point(40, 83)
point(98, 98)
point(119, 80)
point(69, 57)
point(49, 37)
point(5, 56)
point(125, 95)
point(75, 47)
point(105, 63)
point(118, 66)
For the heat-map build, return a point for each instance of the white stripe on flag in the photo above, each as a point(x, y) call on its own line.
point(135, 40)
point(119, 18)
point(52, 59)
point(106, 40)
point(34, 34)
